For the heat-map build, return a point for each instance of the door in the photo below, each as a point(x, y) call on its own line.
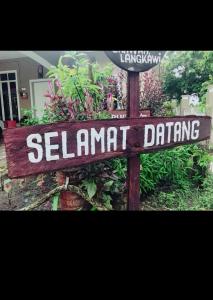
point(9, 102)
point(38, 88)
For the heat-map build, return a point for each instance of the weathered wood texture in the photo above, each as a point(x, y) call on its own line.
point(17, 150)
point(133, 170)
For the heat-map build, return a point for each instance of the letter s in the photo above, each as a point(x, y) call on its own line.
point(36, 146)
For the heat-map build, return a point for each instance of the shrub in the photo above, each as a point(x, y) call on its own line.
point(188, 198)
point(152, 96)
point(180, 167)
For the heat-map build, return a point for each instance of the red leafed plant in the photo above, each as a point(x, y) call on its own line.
point(151, 96)
point(151, 92)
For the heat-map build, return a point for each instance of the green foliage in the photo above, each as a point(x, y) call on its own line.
point(91, 187)
point(203, 92)
point(75, 80)
point(188, 198)
point(180, 167)
point(184, 72)
point(102, 181)
point(29, 118)
point(102, 115)
point(164, 175)
point(168, 109)
point(47, 118)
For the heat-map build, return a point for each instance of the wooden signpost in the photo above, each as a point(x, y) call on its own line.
point(43, 148)
point(134, 62)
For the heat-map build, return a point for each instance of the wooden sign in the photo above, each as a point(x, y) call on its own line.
point(43, 148)
point(122, 114)
point(136, 61)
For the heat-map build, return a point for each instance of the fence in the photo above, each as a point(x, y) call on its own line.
point(186, 108)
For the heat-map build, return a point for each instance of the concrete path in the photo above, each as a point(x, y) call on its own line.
point(2, 156)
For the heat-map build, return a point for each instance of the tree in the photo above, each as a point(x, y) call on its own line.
point(184, 72)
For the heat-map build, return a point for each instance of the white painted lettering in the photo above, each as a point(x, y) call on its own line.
point(111, 138)
point(169, 126)
point(49, 147)
point(82, 143)
point(195, 132)
point(95, 136)
point(146, 135)
point(64, 146)
point(124, 129)
point(35, 145)
point(160, 134)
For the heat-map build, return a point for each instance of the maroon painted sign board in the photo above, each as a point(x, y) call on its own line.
point(122, 114)
point(43, 148)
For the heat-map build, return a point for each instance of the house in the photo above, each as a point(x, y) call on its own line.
point(23, 81)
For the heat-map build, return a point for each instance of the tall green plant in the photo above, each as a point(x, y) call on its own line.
point(75, 80)
point(180, 167)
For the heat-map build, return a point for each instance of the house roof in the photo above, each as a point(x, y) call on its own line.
point(52, 57)
point(49, 58)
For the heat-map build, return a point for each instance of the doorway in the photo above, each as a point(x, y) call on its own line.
point(9, 97)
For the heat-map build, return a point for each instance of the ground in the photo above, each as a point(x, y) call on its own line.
point(23, 191)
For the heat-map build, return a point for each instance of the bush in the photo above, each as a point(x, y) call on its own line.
point(188, 198)
point(180, 167)
point(152, 96)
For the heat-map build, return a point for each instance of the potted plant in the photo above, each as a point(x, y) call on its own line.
point(10, 124)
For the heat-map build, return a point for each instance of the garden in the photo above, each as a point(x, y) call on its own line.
point(172, 179)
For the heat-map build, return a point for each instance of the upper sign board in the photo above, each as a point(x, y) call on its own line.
point(136, 61)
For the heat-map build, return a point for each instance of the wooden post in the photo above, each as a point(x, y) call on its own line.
point(134, 161)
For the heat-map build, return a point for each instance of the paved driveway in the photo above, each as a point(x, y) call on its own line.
point(2, 156)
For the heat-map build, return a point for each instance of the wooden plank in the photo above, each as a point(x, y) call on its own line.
point(133, 167)
point(78, 143)
point(122, 114)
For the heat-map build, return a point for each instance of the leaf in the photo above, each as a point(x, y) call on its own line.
point(93, 208)
point(107, 201)
point(109, 183)
point(91, 189)
point(55, 201)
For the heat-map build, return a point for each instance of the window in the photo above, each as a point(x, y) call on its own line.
point(9, 105)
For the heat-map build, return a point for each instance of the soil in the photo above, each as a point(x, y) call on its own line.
point(26, 191)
